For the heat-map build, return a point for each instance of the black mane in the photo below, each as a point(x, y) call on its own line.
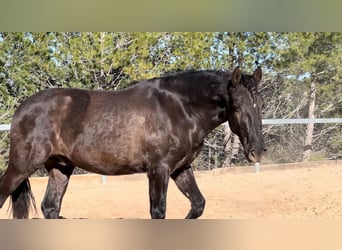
point(192, 72)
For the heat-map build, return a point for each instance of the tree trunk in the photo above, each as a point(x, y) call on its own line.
point(232, 146)
point(235, 150)
point(228, 145)
point(310, 126)
point(102, 74)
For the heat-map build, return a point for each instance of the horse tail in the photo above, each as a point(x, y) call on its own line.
point(22, 200)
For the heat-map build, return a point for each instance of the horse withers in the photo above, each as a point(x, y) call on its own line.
point(156, 126)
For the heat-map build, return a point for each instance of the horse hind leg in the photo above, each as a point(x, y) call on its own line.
point(185, 181)
point(59, 174)
point(24, 160)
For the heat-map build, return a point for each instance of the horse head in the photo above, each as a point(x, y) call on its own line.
point(244, 112)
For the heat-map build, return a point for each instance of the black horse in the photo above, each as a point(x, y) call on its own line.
point(156, 126)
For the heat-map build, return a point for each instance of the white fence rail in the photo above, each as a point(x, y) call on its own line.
point(302, 121)
point(4, 127)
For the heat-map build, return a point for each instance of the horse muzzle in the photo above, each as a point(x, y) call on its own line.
point(255, 154)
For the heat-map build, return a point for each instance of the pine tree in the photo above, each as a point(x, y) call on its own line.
point(314, 60)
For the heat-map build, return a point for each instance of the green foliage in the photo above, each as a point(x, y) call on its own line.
point(305, 58)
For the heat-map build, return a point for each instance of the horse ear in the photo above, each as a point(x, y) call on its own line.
point(236, 77)
point(257, 76)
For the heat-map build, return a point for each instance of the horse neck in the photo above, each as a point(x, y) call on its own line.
point(208, 119)
point(197, 104)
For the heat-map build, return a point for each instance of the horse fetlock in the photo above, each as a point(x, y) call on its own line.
point(50, 212)
point(158, 213)
point(197, 209)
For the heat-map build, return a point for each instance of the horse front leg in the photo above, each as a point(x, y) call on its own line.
point(185, 181)
point(158, 183)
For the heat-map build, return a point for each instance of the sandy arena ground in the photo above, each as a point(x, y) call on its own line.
point(302, 191)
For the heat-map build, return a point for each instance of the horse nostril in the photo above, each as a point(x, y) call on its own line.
point(253, 153)
point(265, 150)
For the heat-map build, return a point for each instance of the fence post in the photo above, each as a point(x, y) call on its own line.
point(257, 167)
point(104, 179)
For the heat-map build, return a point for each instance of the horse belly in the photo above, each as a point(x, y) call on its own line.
point(113, 168)
point(108, 154)
point(107, 164)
